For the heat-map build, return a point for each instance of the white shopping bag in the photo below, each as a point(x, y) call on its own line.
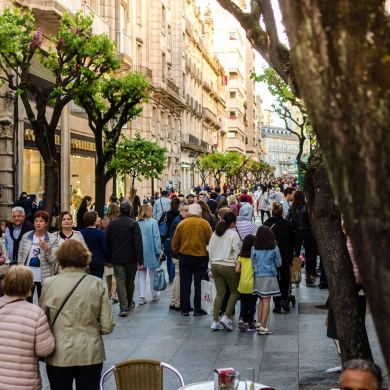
point(208, 295)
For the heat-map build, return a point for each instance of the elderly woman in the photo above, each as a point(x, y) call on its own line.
point(232, 200)
point(152, 251)
point(85, 316)
point(96, 242)
point(24, 333)
point(37, 251)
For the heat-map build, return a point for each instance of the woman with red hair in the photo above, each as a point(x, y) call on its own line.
point(37, 251)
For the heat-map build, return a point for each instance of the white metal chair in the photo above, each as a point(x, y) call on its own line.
point(139, 374)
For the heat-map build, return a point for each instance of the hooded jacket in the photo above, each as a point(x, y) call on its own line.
point(284, 235)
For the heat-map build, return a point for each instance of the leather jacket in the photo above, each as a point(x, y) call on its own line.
point(299, 218)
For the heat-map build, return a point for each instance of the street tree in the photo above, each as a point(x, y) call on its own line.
point(219, 163)
point(242, 170)
point(73, 59)
point(110, 103)
point(342, 103)
point(139, 158)
point(258, 169)
point(202, 169)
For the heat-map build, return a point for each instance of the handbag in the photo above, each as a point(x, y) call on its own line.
point(159, 281)
point(163, 228)
point(296, 271)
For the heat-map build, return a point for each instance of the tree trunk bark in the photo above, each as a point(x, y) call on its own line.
point(51, 188)
point(326, 224)
point(100, 188)
point(340, 54)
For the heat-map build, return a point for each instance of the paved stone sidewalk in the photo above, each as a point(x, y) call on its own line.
point(295, 357)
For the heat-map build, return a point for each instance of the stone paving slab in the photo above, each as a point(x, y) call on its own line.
point(295, 357)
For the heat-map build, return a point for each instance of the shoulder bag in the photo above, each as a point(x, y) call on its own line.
point(66, 300)
point(159, 282)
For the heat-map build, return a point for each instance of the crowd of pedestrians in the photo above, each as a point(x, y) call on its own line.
point(211, 235)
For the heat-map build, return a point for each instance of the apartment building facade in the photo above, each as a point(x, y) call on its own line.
point(174, 44)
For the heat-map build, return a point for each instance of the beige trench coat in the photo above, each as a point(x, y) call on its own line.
point(84, 318)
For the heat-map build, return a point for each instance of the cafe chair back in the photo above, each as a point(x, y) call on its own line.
point(137, 374)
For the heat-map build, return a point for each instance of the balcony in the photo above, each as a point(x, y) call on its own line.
point(173, 87)
point(206, 147)
point(99, 25)
point(210, 116)
point(143, 70)
point(234, 104)
point(234, 145)
point(124, 50)
point(51, 10)
point(189, 141)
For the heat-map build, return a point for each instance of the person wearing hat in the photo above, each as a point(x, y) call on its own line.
point(190, 199)
point(244, 192)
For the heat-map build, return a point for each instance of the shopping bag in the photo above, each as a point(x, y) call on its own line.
point(295, 269)
point(159, 281)
point(208, 295)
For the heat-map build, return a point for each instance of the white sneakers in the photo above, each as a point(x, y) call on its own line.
point(216, 326)
point(227, 323)
point(142, 301)
point(156, 297)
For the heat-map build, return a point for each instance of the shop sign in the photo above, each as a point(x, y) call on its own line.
point(30, 136)
point(82, 145)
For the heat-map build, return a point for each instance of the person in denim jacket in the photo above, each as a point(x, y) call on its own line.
point(266, 258)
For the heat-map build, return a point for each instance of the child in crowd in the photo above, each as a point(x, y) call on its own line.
point(245, 287)
point(266, 258)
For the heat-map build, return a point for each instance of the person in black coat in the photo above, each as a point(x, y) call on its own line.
point(299, 216)
point(124, 241)
point(85, 203)
point(285, 237)
point(26, 201)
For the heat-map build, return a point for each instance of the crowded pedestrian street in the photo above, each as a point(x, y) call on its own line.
point(296, 357)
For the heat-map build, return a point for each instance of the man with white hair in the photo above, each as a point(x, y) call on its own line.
point(189, 243)
point(14, 233)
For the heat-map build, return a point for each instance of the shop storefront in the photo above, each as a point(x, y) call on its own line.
point(81, 161)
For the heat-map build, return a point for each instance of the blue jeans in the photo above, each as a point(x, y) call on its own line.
point(170, 265)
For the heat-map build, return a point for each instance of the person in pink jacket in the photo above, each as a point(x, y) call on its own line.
point(25, 334)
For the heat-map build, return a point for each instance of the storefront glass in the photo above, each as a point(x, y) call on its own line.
point(34, 172)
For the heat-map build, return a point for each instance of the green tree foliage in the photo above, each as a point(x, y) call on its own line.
point(110, 103)
point(202, 168)
point(73, 59)
point(139, 158)
point(259, 169)
point(219, 163)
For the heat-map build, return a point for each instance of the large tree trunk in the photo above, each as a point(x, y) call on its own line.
point(340, 52)
point(326, 224)
point(51, 188)
point(101, 179)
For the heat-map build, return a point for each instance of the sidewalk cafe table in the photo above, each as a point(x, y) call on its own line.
point(210, 386)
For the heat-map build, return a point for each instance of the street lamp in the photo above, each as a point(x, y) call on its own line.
point(193, 156)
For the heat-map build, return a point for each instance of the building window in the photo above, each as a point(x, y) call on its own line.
point(163, 19)
point(163, 64)
point(232, 115)
point(139, 12)
point(232, 95)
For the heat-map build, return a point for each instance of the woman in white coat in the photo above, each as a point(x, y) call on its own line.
point(264, 203)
